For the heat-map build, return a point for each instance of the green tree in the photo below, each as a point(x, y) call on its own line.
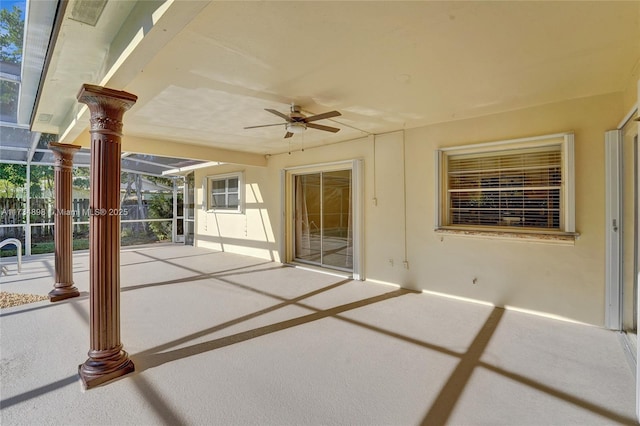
point(161, 207)
point(81, 177)
point(161, 180)
point(13, 178)
point(11, 33)
point(11, 36)
point(42, 180)
point(134, 180)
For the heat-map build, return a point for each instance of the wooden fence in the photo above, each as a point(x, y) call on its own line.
point(13, 211)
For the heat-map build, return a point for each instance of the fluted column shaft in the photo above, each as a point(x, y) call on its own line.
point(107, 359)
point(63, 231)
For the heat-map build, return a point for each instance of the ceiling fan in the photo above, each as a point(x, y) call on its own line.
point(296, 122)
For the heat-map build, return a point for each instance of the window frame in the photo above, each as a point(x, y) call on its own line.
point(224, 177)
point(567, 189)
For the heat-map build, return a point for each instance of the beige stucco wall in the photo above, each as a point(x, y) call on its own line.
point(250, 232)
point(563, 280)
point(630, 90)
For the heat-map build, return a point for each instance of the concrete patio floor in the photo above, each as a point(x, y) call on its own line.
point(223, 339)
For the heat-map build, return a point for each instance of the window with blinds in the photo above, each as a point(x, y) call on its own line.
point(507, 188)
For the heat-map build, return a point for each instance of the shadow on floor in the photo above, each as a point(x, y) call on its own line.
point(149, 360)
point(439, 412)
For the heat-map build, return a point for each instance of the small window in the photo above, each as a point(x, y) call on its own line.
point(515, 186)
point(225, 193)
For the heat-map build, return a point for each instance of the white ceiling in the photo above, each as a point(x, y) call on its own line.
point(203, 71)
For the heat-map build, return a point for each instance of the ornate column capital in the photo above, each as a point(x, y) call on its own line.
point(63, 154)
point(107, 106)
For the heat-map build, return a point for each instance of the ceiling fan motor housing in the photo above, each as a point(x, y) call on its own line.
point(296, 115)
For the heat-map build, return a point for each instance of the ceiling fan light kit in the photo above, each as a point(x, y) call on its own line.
point(297, 123)
point(296, 127)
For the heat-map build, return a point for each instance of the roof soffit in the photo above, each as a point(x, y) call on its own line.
point(384, 65)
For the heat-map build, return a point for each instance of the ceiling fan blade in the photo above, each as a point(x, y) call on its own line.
point(288, 135)
point(321, 127)
point(322, 116)
point(265, 125)
point(279, 114)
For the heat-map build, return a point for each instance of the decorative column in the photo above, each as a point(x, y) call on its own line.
point(63, 231)
point(107, 360)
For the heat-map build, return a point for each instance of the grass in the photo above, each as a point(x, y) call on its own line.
point(45, 247)
point(78, 244)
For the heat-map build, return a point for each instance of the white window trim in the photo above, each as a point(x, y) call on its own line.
point(207, 191)
point(567, 230)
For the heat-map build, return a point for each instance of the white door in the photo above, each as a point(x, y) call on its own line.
point(621, 148)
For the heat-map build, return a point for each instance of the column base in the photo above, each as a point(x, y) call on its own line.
point(95, 372)
point(61, 293)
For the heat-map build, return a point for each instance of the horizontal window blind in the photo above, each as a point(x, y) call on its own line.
point(518, 188)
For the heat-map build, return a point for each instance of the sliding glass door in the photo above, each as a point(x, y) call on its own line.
point(323, 219)
point(323, 216)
